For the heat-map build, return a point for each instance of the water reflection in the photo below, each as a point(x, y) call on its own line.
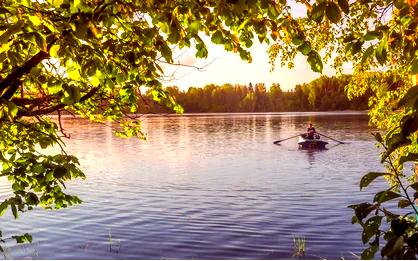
point(208, 187)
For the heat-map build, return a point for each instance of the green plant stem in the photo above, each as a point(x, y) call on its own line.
point(402, 186)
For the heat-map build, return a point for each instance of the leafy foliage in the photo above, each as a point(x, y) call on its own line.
point(372, 35)
point(91, 57)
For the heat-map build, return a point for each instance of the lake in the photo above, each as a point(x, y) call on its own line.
point(207, 186)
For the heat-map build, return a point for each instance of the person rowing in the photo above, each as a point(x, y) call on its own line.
point(311, 133)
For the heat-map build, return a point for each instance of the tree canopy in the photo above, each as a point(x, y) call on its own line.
point(90, 58)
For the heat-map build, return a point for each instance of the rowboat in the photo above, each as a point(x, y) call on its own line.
point(311, 144)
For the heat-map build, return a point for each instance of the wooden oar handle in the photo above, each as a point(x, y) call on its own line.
point(278, 141)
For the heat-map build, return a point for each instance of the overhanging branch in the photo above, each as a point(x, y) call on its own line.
point(56, 107)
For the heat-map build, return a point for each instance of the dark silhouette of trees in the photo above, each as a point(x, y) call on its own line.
point(323, 94)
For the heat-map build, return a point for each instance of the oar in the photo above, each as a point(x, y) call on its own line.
point(330, 138)
point(278, 141)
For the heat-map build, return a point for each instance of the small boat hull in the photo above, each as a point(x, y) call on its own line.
point(311, 144)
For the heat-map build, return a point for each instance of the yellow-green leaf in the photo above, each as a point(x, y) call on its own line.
point(54, 51)
point(35, 20)
point(3, 207)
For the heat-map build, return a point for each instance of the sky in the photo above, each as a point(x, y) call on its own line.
point(227, 67)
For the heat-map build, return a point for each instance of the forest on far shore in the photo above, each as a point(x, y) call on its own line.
point(322, 94)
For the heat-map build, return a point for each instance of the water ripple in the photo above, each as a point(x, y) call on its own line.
point(206, 187)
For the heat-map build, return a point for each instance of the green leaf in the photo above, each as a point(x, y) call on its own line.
point(44, 142)
point(409, 157)
point(245, 55)
point(381, 51)
point(31, 199)
point(12, 109)
point(362, 210)
point(49, 176)
point(315, 62)
point(409, 124)
point(217, 37)
point(356, 47)
point(75, 6)
point(369, 177)
point(3, 207)
point(414, 67)
point(372, 35)
point(194, 27)
point(165, 28)
point(403, 203)
point(369, 252)
point(74, 74)
point(166, 53)
point(229, 46)
point(243, 24)
point(318, 12)
point(53, 51)
point(14, 211)
point(344, 5)
point(72, 94)
point(174, 36)
point(56, 3)
point(369, 51)
point(305, 48)
point(297, 40)
point(28, 237)
point(60, 172)
point(272, 12)
point(410, 97)
point(395, 141)
point(407, 20)
point(23, 238)
point(202, 52)
point(393, 247)
point(17, 187)
point(35, 20)
point(333, 12)
point(371, 228)
point(385, 195)
point(399, 4)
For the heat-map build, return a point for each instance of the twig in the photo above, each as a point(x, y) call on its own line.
point(200, 69)
point(60, 125)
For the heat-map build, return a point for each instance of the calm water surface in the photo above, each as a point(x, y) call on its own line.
point(207, 187)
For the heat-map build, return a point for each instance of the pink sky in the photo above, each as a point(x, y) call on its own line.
point(227, 67)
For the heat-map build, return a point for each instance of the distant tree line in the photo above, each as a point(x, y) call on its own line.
point(323, 94)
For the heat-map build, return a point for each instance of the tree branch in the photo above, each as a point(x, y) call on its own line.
point(57, 106)
point(36, 101)
point(60, 125)
point(13, 78)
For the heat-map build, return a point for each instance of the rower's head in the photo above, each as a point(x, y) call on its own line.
point(310, 124)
